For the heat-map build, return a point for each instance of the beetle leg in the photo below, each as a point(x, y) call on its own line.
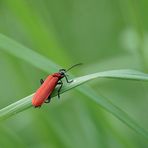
point(37, 106)
point(47, 100)
point(41, 81)
point(61, 84)
point(68, 81)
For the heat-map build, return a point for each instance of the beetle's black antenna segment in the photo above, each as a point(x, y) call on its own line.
point(73, 66)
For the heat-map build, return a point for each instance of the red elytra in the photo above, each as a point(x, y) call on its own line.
point(42, 95)
point(46, 89)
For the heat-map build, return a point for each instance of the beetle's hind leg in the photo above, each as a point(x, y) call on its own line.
point(37, 106)
point(61, 84)
point(48, 100)
point(41, 81)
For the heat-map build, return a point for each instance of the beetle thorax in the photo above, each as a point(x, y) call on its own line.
point(57, 75)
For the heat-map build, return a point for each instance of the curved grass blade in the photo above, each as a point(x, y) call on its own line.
point(116, 74)
point(18, 50)
point(115, 110)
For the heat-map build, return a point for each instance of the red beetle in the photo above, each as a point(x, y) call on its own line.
point(42, 95)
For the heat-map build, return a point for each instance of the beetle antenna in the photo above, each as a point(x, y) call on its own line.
point(73, 66)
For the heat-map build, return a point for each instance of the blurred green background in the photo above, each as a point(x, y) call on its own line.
point(102, 34)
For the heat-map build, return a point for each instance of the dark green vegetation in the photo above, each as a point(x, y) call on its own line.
point(104, 35)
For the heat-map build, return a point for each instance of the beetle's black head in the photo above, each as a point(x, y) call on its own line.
point(62, 72)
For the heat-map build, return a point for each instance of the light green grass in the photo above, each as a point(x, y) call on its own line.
point(12, 47)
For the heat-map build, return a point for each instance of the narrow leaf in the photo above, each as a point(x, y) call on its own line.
point(16, 49)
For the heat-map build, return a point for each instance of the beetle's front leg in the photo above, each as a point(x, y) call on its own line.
point(68, 81)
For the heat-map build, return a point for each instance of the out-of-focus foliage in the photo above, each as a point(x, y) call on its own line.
point(103, 35)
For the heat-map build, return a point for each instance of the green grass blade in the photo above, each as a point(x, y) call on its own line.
point(116, 74)
point(26, 102)
point(18, 50)
point(115, 110)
